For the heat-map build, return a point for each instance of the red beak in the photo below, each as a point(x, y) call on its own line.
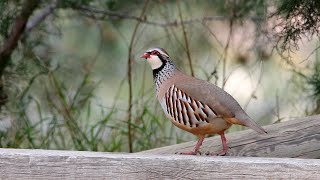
point(145, 55)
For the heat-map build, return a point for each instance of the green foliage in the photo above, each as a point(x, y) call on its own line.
point(307, 84)
point(61, 121)
point(111, 4)
point(50, 113)
point(7, 9)
point(300, 18)
point(314, 82)
point(241, 9)
point(74, 3)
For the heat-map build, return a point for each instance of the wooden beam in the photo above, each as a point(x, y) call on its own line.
point(49, 164)
point(294, 138)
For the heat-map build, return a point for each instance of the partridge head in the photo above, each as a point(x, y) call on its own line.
point(194, 105)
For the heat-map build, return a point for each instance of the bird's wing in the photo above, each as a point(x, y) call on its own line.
point(184, 109)
point(222, 103)
point(209, 94)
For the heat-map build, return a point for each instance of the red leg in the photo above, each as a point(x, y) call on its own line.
point(196, 148)
point(224, 146)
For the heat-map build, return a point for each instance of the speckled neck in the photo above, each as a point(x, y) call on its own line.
point(163, 73)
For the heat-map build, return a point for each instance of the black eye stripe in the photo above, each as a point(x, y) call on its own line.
point(154, 52)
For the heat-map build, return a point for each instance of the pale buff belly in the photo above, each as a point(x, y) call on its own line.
point(214, 126)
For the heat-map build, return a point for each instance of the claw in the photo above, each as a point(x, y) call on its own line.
point(196, 148)
point(222, 153)
point(188, 153)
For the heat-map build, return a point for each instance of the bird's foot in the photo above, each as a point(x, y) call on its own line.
point(222, 153)
point(189, 153)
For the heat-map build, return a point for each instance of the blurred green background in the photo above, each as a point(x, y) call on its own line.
point(67, 84)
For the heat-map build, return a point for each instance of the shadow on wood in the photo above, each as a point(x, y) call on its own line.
point(294, 138)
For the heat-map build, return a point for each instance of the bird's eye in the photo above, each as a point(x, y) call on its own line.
point(155, 53)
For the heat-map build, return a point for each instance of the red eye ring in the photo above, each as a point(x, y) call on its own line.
point(154, 52)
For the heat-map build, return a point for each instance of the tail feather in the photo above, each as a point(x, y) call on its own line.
point(253, 125)
point(245, 120)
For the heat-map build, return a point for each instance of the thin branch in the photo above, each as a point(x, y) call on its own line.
point(214, 71)
point(252, 95)
point(41, 15)
point(278, 107)
point(224, 60)
point(212, 33)
point(101, 14)
point(223, 56)
point(185, 38)
point(277, 110)
point(16, 32)
point(130, 135)
point(11, 42)
point(95, 57)
point(142, 93)
point(310, 54)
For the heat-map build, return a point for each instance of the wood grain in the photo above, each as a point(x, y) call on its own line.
point(294, 138)
point(48, 164)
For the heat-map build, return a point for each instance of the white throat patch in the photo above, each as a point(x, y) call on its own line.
point(154, 61)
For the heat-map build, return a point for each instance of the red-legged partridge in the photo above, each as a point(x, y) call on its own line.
point(195, 105)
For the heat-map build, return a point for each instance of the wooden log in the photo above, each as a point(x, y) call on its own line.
point(294, 138)
point(49, 164)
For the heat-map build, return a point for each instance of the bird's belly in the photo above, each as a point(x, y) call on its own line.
point(214, 126)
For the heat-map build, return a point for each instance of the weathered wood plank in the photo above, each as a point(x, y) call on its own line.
point(46, 164)
point(294, 138)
